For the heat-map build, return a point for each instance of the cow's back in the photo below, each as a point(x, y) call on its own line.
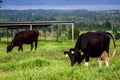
point(30, 36)
point(96, 43)
point(18, 37)
point(93, 43)
point(25, 37)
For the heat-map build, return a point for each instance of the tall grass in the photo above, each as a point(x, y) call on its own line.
point(48, 63)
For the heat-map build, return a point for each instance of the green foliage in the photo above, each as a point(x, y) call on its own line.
point(115, 30)
point(76, 33)
point(85, 20)
point(107, 25)
point(117, 35)
point(2, 34)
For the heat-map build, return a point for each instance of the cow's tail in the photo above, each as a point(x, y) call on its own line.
point(114, 52)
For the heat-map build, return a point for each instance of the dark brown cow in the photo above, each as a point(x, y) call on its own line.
point(91, 44)
point(24, 37)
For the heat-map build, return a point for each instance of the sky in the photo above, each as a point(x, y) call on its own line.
point(61, 4)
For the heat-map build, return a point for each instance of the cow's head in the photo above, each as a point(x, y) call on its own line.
point(9, 48)
point(75, 56)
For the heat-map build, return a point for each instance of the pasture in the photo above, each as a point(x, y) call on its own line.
point(49, 63)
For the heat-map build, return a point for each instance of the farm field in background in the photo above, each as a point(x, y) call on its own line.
point(49, 63)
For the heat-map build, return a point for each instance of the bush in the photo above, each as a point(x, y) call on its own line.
point(76, 33)
point(117, 35)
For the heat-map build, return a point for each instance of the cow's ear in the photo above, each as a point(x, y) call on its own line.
point(81, 52)
point(65, 52)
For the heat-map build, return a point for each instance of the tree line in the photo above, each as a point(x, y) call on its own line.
point(84, 20)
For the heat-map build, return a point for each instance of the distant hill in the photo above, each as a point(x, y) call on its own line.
point(59, 15)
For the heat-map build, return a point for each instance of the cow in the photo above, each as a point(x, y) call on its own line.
point(24, 37)
point(91, 45)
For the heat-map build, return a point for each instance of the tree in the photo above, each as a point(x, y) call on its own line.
point(107, 25)
point(116, 28)
point(76, 33)
point(117, 36)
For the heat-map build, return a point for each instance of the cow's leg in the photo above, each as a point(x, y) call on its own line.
point(100, 58)
point(86, 64)
point(107, 61)
point(19, 48)
point(105, 55)
point(35, 45)
point(100, 62)
point(106, 58)
point(86, 61)
point(31, 46)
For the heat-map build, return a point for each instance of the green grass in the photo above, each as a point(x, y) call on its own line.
point(48, 63)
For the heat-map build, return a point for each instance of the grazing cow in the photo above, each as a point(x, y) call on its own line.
point(24, 37)
point(91, 44)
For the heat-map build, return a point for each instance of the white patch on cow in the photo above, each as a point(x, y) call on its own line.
point(100, 62)
point(106, 58)
point(105, 55)
point(107, 61)
point(72, 52)
point(86, 64)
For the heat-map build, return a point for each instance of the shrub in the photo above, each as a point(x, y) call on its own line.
point(117, 35)
point(76, 33)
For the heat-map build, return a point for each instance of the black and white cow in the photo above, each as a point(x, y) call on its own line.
point(91, 44)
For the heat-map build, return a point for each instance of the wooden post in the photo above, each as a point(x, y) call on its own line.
point(72, 31)
point(12, 33)
point(44, 30)
point(30, 26)
point(7, 35)
point(57, 32)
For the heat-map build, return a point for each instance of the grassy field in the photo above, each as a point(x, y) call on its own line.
point(48, 63)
